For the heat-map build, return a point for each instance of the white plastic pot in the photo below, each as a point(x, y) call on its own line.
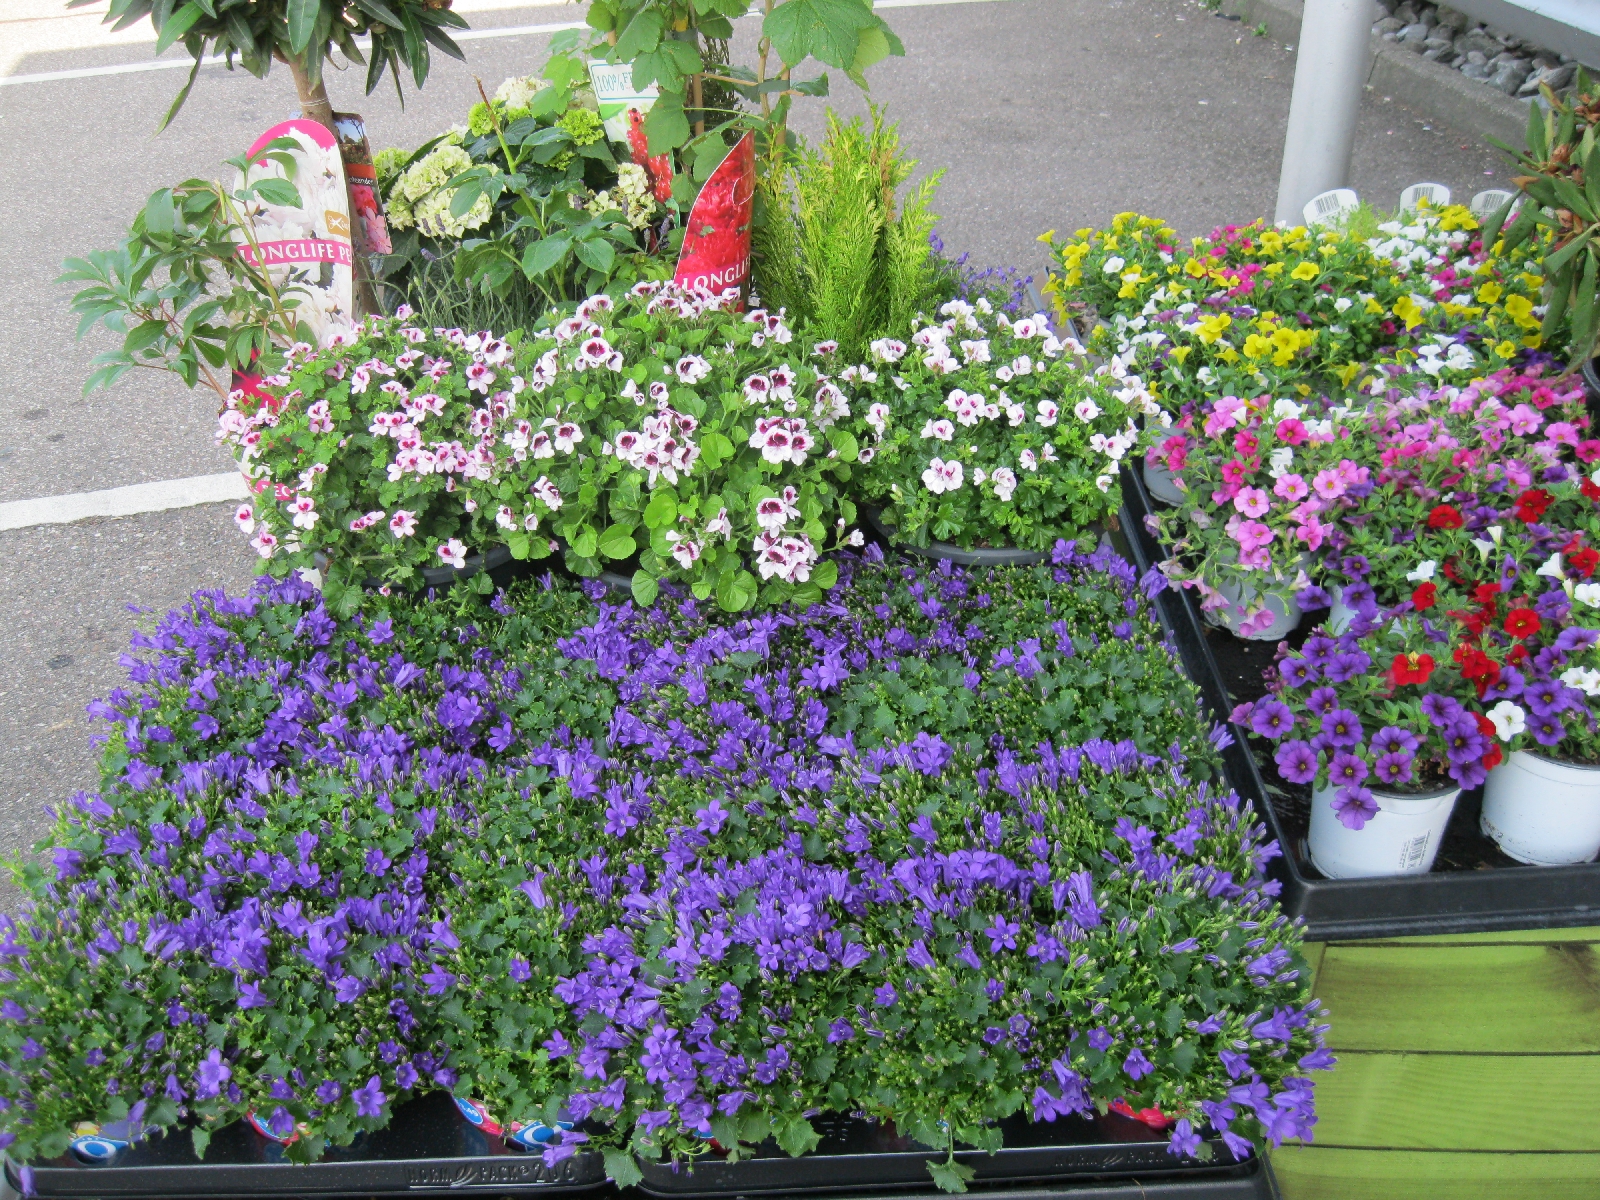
point(1159, 482)
point(1340, 614)
point(1543, 812)
point(1402, 839)
point(1242, 599)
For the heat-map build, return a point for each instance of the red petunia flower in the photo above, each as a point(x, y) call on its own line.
point(1584, 560)
point(1446, 516)
point(1411, 668)
point(1531, 504)
point(1590, 489)
point(1517, 654)
point(1485, 726)
point(1494, 758)
point(1451, 573)
point(1522, 622)
point(1425, 597)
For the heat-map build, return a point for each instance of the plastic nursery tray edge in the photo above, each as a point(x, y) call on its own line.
point(1445, 902)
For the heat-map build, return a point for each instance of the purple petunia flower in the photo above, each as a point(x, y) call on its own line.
point(1272, 719)
point(1341, 727)
point(1394, 768)
point(1441, 710)
point(1297, 671)
point(1354, 806)
point(1346, 769)
point(1393, 739)
point(1547, 730)
point(1297, 762)
point(1321, 700)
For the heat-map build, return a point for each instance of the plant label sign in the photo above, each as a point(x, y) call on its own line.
point(306, 250)
point(617, 97)
point(716, 238)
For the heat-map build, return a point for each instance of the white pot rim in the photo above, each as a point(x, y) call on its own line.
point(1546, 760)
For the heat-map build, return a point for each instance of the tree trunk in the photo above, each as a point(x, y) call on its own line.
point(315, 106)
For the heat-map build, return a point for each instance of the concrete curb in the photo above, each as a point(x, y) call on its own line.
point(1434, 90)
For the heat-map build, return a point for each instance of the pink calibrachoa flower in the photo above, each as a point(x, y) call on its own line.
point(1252, 501)
point(1291, 431)
point(454, 553)
point(1258, 622)
point(1252, 534)
point(1246, 443)
point(1290, 487)
point(1311, 531)
point(1328, 485)
point(403, 523)
point(1236, 471)
point(1524, 421)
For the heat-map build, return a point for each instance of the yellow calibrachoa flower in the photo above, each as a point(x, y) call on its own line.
point(1457, 216)
point(1181, 353)
point(1256, 346)
point(1520, 310)
point(1506, 349)
point(1374, 308)
point(1210, 329)
point(1490, 292)
point(1306, 271)
point(1229, 356)
point(1272, 242)
point(1273, 269)
point(1532, 282)
point(1347, 372)
point(1409, 311)
point(1194, 268)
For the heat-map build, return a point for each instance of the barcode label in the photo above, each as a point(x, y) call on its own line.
point(1411, 852)
point(1327, 204)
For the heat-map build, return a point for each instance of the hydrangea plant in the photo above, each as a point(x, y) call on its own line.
point(992, 432)
point(638, 866)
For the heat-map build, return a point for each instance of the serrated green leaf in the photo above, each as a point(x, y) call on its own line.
point(544, 254)
point(622, 1168)
point(597, 253)
point(827, 30)
point(950, 1176)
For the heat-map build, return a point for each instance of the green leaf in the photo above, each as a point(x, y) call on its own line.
point(825, 574)
point(585, 541)
point(180, 23)
point(302, 16)
point(795, 1135)
point(1557, 262)
point(617, 542)
point(662, 510)
point(844, 442)
point(597, 253)
point(201, 1138)
point(951, 1176)
point(183, 94)
point(644, 586)
point(665, 125)
point(622, 1168)
point(641, 34)
point(544, 254)
point(278, 191)
point(736, 591)
point(715, 449)
point(828, 30)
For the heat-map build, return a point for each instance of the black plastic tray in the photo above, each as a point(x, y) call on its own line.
point(860, 1155)
point(427, 1149)
point(1440, 902)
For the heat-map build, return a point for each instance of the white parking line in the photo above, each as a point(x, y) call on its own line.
point(124, 501)
point(468, 35)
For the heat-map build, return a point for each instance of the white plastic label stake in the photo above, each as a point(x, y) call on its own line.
point(1330, 206)
point(1485, 204)
point(1436, 194)
point(616, 95)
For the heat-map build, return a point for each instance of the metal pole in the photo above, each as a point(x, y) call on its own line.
point(1335, 55)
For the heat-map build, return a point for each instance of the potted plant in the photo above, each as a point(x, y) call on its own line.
point(1264, 483)
point(1520, 596)
point(466, 818)
point(988, 433)
point(1374, 726)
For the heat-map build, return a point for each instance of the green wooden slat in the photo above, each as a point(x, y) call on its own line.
point(1533, 998)
point(1460, 1102)
point(1586, 934)
point(1320, 1173)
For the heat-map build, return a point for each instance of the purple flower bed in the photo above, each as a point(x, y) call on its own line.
point(943, 848)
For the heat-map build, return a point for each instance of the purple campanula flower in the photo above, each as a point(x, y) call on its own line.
point(885, 996)
point(1185, 1142)
point(1002, 933)
point(519, 970)
point(213, 1073)
point(1100, 1039)
point(1137, 1065)
point(917, 955)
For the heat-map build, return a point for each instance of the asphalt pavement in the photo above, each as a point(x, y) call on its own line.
point(1044, 114)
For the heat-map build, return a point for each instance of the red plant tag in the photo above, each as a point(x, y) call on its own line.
point(716, 239)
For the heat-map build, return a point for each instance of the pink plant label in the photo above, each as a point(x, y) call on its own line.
point(716, 240)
